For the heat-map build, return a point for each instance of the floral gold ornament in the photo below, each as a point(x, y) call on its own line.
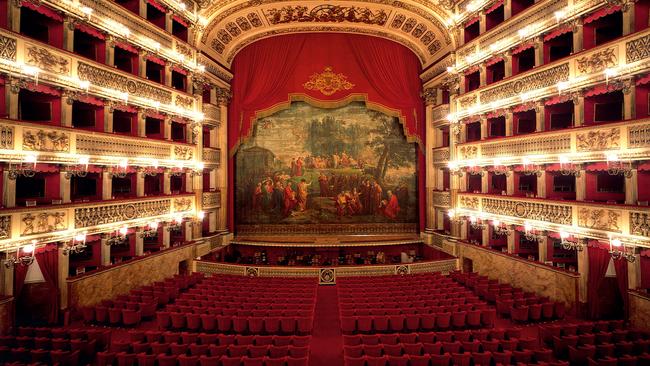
point(46, 60)
point(328, 82)
point(597, 61)
point(41, 140)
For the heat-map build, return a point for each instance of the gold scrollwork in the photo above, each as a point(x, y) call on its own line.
point(599, 140)
point(46, 60)
point(599, 219)
point(43, 222)
point(328, 82)
point(41, 140)
point(597, 61)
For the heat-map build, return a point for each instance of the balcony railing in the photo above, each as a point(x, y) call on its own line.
point(588, 218)
point(60, 222)
point(439, 113)
point(441, 199)
point(212, 199)
point(212, 156)
point(440, 155)
point(583, 143)
point(212, 113)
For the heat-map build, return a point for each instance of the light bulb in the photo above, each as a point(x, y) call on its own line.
point(496, 223)
point(564, 159)
point(31, 158)
point(80, 237)
point(153, 225)
point(84, 160)
point(452, 165)
point(451, 213)
point(200, 165)
point(616, 242)
point(124, 163)
point(612, 156)
point(473, 219)
point(29, 247)
point(124, 230)
point(200, 215)
point(564, 234)
point(528, 227)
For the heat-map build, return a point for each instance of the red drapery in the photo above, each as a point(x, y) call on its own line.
point(621, 278)
point(269, 72)
point(48, 260)
point(90, 30)
point(601, 13)
point(180, 20)
point(43, 9)
point(598, 262)
point(645, 269)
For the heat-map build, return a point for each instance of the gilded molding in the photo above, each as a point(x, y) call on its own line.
point(184, 102)
point(8, 47)
point(42, 222)
point(211, 199)
point(99, 145)
point(6, 137)
point(557, 214)
point(46, 60)
point(597, 61)
point(5, 227)
point(640, 224)
point(182, 204)
point(327, 13)
point(183, 152)
point(328, 82)
point(553, 144)
point(212, 156)
point(468, 152)
point(111, 213)
point(470, 203)
point(441, 199)
point(637, 49)
point(541, 79)
point(440, 155)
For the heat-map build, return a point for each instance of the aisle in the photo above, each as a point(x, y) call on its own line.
point(327, 341)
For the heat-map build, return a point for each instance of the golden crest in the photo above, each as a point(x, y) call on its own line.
point(328, 82)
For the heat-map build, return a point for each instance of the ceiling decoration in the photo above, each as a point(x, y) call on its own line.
point(233, 24)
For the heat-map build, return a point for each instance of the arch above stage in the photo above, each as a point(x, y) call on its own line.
point(419, 25)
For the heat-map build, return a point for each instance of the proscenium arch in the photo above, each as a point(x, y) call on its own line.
point(417, 24)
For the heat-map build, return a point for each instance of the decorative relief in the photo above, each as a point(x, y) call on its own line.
point(402, 270)
point(212, 156)
point(41, 140)
point(184, 50)
point(326, 276)
point(184, 102)
point(8, 48)
point(325, 14)
point(599, 219)
point(638, 136)
point(243, 24)
point(254, 19)
point(470, 203)
point(538, 80)
point(233, 29)
point(442, 199)
point(639, 224)
point(597, 61)
point(440, 112)
point(540, 145)
point(108, 214)
point(440, 155)
point(557, 214)
point(468, 101)
point(6, 137)
point(637, 49)
point(252, 271)
point(216, 45)
point(183, 152)
point(107, 79)
point(46, 60)
point(468, 152)
point(96, 145)
point(599, 140)
point(44, 222)
point(211, 199)
point(328, 82)
point(5, 227)
point(182, 204)
point(211, 113)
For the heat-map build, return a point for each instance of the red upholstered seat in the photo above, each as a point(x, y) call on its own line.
point(412, 348)
point(473, 318)
point(605, 350)
point(388, 338)
point(131, 317)
point(372, 350)
point(253, 361)
point(171, 337)
point(548, 310)
point(483, 359)
point(458, 319)
point(38, 355)
point(278, 351)
point(231, 361)
point(488, 317)
point(370, 339)
point(560, 310)
point(396, 323)
point(144, 359)
point(105, 358)
point(443, 320)
point(440, 360)
point(101, 314)
point(64, 358)
point(348, 324)
point(275, 361)
point(392, 349)
point(461, 359)
point(263, 340)
point(178, 320)
point(224, 323)
point(535, 312)
point(158, 348)
point(114, 315)
point(88, 314)
point(379, 323)
point(271, 325)
point(199, 349)
point(427, 321)
point(451, 347)
point(578, 355)
point(125, 359)
point(503, 358)
point(428, 337)
point(397, 360)
point(471, 347)
point(217, 350)
point(354, 361)
point(525, 356)
point(519, 314)
point(178, 349)
point(412, 322)
point(408, 337)
point(239, 324)
point(607, 361)
point(422, 360)
point(376, 360)
point(288, 325)
point(432, 348)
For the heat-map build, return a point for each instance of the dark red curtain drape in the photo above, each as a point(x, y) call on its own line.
point(48, 259)
point(269, 72)
point(20, 272)
point(598, 262)
point(621, 278)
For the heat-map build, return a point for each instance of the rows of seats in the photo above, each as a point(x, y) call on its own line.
point(519, 305)
point(418, 322)
point(53, 345)
point(243, 305)
point(480, 347)
point(130, 309)
point(286, 324)
point(144, 359)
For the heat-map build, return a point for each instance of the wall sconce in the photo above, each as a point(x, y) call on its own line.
point(119, 237)
point(198, 171)
point(27, 168)
point(25, 260)
point(151, 231)
point(500, 169)
point(531, 234)
point(569, 245)
point(615, 251)
point(453, 217)
point(530, 168)
point(499, 229)
point(76, 245)
point(177, 171)
point(476, 223)
point(475, 170)
point(176, 224)
point(120, 169)
point(568, 168)
point(454, 169)
point(78, 170)
point(616, 166)
point(151, 170)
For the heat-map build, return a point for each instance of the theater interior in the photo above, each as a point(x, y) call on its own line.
point(325, 182)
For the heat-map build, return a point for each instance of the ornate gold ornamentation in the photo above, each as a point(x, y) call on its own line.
point(108, 79)
point(5, 227)
point(440, 112)
point(637, 49)
point(430, 95)
point(223, 96)
point(184, 50)
point(41, 140)
point(639, 224)
point(252, 271)
point(402, 270)
point(6, 137)
point(599, 140)
point(638, 136)
point(597, 61)
point(325, 13)
point(182, 204)
point(599, 219)
point(557, 214)
point(326, 276)
point(8, 48)
point(531, 146)
point(212, 199)
point(98, 145)
point(46, 60)
point(185, 102)
point(108, 214)
point(327, 229)
point(541, 79)
point(468, 101)
point(183, 152)
point(212, 156)
point(468, 152)
point(440, 155)
point(441, 199)
point(44, 222)
point(328, 82)
point(470, 203)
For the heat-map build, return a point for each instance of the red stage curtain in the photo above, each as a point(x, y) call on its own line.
point(621, 278)
point(269, 71)
point(48, 259)
point(598, 262)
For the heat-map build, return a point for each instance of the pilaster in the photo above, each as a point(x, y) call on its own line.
point(581, 185)
point(542, 248)
point(64, 189)
point(485, 183)
point(166, 239)
point(511, 243)
point(105, 253)
point(540, 117)
point(139, 242)
point(485, 236)
point(167, 189)
point(62, 272)
point(629, 99)
point(139, 182)
point(9, 193)
point(107, 185)
point(510, 183)
point(539, 51)
point(631, 187)
point(578, 35)
point(509, 123)
point(578, 109)
point(66, 109)
point(541, 185)
point(68, 34)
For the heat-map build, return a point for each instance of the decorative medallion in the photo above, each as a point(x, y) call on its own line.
point(328, 82)
point(326, 276)
point(252, 271)
point(7, 48)
point(402, 270)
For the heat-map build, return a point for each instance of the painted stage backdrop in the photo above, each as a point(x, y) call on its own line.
point(344, 168)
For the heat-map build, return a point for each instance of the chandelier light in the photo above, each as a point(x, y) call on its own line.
point(24, 260)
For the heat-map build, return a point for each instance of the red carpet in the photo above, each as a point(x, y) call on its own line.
point(327, 341)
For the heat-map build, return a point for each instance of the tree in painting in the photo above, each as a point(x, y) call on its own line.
point(308, 165)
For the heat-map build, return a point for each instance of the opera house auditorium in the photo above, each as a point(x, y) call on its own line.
point(325, 182)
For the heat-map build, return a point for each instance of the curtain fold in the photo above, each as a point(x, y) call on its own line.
point(620, 266)
point(48, 260)
point(598, 262)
